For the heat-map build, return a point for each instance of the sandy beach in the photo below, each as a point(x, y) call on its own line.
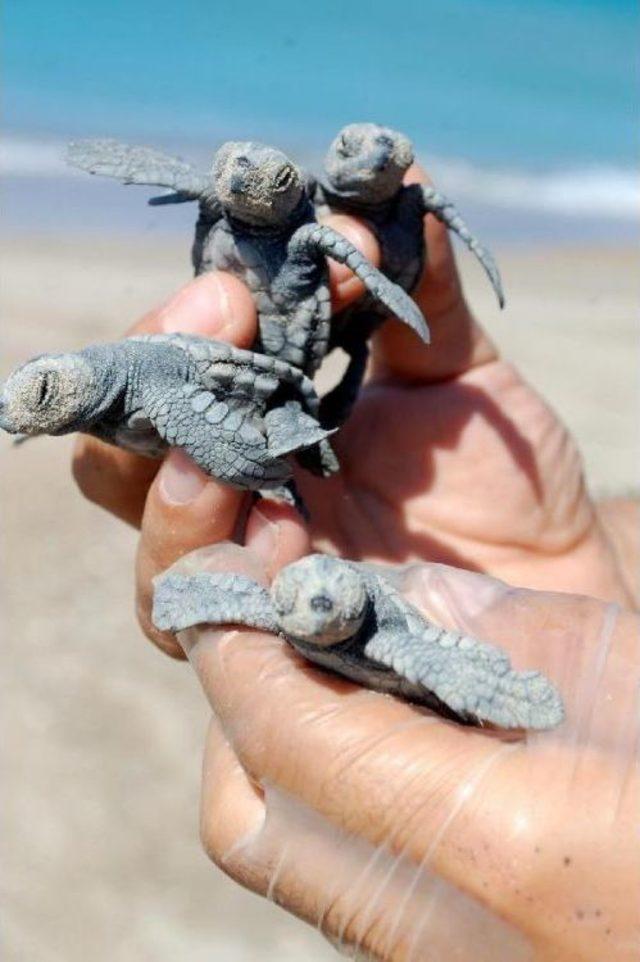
point(103, 735)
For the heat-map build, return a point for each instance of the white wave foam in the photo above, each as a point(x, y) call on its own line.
point(589, 191)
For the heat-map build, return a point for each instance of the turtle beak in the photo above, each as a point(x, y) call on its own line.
point(4, 424)
point(379, 158)
point(236, 184)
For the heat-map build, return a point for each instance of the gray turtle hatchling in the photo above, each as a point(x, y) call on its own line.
point(236, 413)
point(363, 176)
point(346, 616)
point(257, 221)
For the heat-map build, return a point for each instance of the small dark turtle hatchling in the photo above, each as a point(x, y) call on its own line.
point(363, 175)
point(257, 221)
point(346, 616)
point(236, 413)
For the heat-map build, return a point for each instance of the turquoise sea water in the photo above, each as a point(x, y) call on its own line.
point(510, 98)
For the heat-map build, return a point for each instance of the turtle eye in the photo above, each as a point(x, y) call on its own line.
point(45, 388)
point(343, 146)
point(284, 178)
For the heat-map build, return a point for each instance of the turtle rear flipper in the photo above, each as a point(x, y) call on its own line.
point(176, 197)
point(290, 429)
point(446, 212)
point(336, 405)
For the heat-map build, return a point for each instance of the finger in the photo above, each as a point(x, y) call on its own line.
point(383, 770)
point(112, 478)
point(277, 535)
point(345, 286)
point(232, 810)
point(213, 305)
point(185, 509)
point(457, 340)
point(355, 893)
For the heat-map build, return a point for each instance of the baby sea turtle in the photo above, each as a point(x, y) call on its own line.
point(363, 176)
point(236, 413)
point(346, 616)
point(257, 221)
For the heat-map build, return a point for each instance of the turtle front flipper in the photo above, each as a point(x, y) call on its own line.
point(181, 601)
point(437, 204)
point(473, 679)
point(140, 165)
point(313, 240)
point(226, 414)
point(226, 438)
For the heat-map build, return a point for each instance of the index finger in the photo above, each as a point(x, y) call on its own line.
point(458, 342)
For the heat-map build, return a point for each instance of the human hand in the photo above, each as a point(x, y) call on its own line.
point(449, 455)
point(407, 837)
point(176, 505)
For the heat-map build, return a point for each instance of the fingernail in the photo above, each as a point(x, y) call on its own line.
point(264, 535)
point(181, 481)
point(202, 307)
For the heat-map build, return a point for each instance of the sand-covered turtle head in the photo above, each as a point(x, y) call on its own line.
point(257, 184)
point(320, 600)
point(47, 395)
point(367, 162)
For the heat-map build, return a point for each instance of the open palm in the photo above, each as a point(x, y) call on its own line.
point(451, 456)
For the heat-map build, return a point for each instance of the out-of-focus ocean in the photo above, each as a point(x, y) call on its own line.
point(524, 110)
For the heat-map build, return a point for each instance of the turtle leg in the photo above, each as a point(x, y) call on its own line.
point(181, 601)
point(437, 204)
point(312, 241)
point(336, 405)
point(221, 436)
point(472, 678)
point(290, 430)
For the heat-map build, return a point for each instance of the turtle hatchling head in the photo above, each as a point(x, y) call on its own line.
point(47, 395)
point(256, 184)
point(319, 600)
point(367, 162)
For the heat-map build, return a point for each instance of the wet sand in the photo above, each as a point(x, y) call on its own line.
point(103, 735)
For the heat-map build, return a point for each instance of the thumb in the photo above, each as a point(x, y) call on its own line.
point(185, 509)
point(458, 342)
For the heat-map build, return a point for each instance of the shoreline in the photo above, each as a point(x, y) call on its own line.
point(499, 207)
point(570, 322)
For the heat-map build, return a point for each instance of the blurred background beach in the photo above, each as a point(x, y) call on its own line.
point(522, 111)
